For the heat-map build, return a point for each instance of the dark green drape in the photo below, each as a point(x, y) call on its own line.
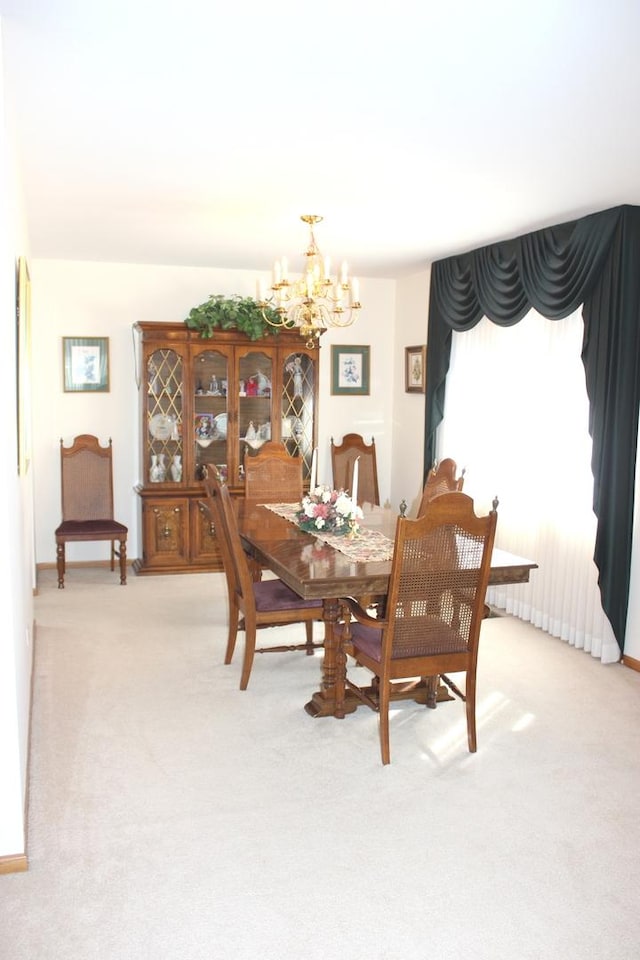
point(594, 261)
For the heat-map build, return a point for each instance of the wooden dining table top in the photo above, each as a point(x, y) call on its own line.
point(317, 570)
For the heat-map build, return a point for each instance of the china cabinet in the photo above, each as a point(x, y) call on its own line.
point(208, 401)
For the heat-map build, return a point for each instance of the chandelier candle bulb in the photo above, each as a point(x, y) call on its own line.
point(355, 290)
point(277, 275)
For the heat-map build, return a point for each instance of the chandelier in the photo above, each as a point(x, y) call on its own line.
point(316, 300)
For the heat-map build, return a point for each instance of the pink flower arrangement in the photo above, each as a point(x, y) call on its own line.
point(324, 510)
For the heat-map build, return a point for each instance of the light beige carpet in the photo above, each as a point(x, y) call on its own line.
point(172, 816)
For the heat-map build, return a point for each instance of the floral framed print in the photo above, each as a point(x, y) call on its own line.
point(350, 370)
point(85, 362)
point(415, 365)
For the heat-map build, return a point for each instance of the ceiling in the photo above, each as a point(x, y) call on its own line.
point(197, 133)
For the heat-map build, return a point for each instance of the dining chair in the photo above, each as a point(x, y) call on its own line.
point(441, 479)
point(271, 474)
point(253, 604)
point(86, 470)
point(435, 606)
point(343, 457)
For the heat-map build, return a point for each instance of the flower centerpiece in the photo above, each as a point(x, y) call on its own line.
point(324, 510)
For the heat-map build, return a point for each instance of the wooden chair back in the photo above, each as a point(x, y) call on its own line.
point(442, 478)
point(343, 457)
point(272, 475)
point(86, 479)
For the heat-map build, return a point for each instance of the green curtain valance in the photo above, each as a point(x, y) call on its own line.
point(594, 261)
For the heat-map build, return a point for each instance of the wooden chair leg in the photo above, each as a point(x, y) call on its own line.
point(470, 696)
point(385, 691)
point(309, 629)
point(123, 562)
point(234, 613)
point(60, 562)
point(249, 651)
point(113, 555)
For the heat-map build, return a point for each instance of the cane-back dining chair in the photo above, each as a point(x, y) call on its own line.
point(442, 478)
point(272, 475)
point(87, 502)
point(431, 627)
point(343, 457)
point(264, 603)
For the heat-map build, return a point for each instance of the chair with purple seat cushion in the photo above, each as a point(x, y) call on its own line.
point(263, 603)
point(435, 606)
point(87, 502)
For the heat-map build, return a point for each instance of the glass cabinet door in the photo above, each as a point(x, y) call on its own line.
point(297, 408)
point(210, 412)
point(163, 448)
point(255, 381)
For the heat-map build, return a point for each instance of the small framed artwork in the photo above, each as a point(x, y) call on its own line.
point(415, 364)
point(350, 370)
point(85, 362)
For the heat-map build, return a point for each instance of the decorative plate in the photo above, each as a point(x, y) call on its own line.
point(220, 426)
point(161, 426)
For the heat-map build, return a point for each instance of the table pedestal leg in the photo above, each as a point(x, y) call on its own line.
point(332, 700)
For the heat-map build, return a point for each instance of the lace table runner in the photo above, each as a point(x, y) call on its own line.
point(365, 546)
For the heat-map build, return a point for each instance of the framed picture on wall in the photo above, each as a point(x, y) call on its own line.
point(85, 363)
point(350, 370)
point(23, 315)
point(415, 365)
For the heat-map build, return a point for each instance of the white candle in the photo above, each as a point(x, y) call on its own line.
point(327, 267)
point(285, 268)
point(314, 469)
point(277, 273)
point(260, 291)
point(355, 290)
point(354, 482)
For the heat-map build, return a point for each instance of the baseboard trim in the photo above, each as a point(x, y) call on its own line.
point(17, 863)
point(631, 662)
point(79, 563)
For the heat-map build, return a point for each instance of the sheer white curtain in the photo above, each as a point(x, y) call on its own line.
point(516, 417)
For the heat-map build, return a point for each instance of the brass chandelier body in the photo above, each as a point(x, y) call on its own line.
point(315, 301)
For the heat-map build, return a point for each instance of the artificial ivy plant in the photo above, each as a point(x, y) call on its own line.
point(231, 313)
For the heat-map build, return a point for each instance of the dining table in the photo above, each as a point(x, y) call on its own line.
point(330, 568)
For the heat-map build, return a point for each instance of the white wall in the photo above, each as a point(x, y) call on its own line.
point(412, 311)
point(100, 299)
point(16, 521)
